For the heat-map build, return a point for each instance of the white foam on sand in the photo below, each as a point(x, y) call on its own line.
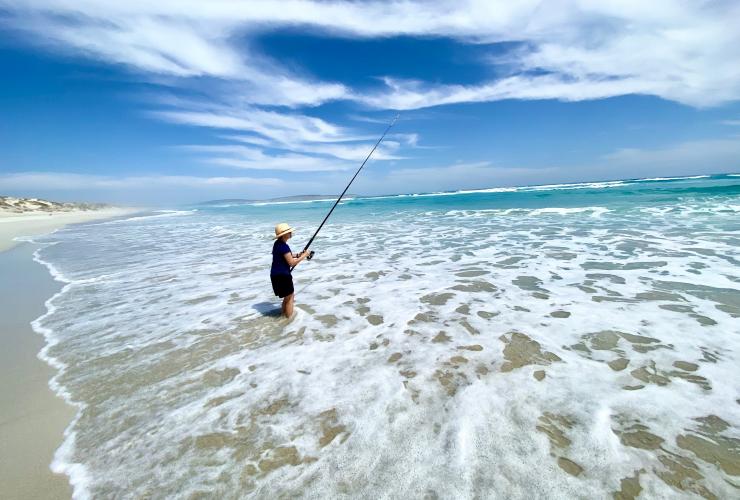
point(62, 462)
point(410, 368)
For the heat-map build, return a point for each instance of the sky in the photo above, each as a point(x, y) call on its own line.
point(181, 101)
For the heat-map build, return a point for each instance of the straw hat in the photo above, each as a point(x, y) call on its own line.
point(282, 229)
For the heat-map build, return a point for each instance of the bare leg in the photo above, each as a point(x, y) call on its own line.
point(288, 305)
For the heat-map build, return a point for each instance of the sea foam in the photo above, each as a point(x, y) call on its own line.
point(515, 351)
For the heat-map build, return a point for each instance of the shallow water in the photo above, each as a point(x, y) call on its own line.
point(562, 342)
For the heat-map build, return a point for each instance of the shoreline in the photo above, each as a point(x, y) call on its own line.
point(16, 225)
point(33, 418)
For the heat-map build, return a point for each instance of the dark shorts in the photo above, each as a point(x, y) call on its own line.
point(282, 284)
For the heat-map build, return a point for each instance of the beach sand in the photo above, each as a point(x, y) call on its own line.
point(32, 417)
point(13, 225)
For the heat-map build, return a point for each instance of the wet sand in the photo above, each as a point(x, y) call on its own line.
point(13, 225)
point(32, 418)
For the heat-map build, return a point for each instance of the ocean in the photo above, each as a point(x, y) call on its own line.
point(562, 341)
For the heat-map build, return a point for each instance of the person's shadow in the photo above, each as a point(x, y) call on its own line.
point(268, 309)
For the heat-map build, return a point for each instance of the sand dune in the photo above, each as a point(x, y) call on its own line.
point(23, 217)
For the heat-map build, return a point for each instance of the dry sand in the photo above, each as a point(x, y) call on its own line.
point(13, 225)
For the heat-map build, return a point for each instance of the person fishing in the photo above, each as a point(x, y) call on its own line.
point(283, 262)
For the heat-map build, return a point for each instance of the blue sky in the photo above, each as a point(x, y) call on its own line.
point(183, 101)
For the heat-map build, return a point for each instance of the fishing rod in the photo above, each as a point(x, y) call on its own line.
point(347, 187)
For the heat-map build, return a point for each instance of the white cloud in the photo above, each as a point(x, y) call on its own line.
point(562, 49)
point(332, 157)
point(677, 50)
point(170, 40)
point(279, 128)
point(312, 144)
point(407, 94)
point(256, 159)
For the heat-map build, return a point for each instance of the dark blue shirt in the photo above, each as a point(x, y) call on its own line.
point(279, 264)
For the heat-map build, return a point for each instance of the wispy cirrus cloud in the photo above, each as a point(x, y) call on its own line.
point(277, 127)
point(676, 50)
point(177, 40)
point(279, 141)
point(244, 157)
point(412, 94)
point(567, 50)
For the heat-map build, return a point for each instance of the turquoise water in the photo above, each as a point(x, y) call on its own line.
point(620, 194)
point(563, 341)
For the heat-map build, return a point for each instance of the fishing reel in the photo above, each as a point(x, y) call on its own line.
point(310, 255)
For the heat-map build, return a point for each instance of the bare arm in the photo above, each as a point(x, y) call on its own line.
point(293, 261)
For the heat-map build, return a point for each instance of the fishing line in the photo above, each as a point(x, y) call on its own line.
point(348, 185)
